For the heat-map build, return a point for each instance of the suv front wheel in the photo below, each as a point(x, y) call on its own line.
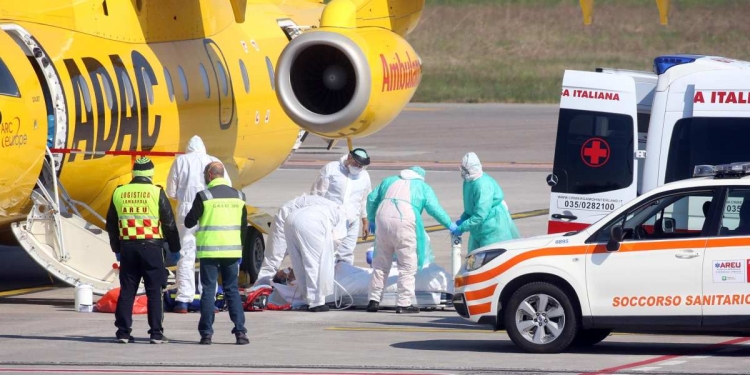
point(540, 318)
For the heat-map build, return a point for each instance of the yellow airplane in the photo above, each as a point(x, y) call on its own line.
point(587, 8)
point(87, 85)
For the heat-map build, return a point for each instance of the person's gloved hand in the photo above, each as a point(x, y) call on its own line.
point(459, 221)
point(174, 257)
point(456, 232)
point(371, 227)
point(453, 227)
point(369, 257)
point(117, 256)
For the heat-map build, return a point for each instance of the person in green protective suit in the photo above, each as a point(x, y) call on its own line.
point(394, 211)
point(485, 215)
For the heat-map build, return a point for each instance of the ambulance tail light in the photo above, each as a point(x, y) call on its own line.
point(662, 63)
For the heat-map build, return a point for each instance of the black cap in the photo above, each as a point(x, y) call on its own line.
point(360, 156)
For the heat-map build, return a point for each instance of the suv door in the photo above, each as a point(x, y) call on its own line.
point(650, 280)
point(726, 267)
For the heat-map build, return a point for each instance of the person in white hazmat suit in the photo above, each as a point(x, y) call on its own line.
point(312, 234)
point(276, 248)
point(395, 210)
point(184, 181)
point(347, 183)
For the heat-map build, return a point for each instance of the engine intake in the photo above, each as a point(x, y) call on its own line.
point(346, 82)
point(323, 81)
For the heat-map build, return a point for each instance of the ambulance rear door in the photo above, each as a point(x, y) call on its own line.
point(706, 122)
point(594, 169)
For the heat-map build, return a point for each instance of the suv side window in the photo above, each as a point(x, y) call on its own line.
point(735, 219)
point(669, 216)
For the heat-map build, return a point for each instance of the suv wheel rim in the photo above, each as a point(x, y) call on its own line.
point(540, 319)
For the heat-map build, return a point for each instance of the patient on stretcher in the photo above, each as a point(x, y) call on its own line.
point(434, 287)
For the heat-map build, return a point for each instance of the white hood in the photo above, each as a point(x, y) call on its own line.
point(472, 165)
point(195, 144)
point(408, 174)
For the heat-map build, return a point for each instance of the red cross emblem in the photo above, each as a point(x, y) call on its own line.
point(595, 152)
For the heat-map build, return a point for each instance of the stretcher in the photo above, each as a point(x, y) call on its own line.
point(433, 288)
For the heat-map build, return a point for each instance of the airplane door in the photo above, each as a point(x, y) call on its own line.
point(226, 90)
point(23, 128)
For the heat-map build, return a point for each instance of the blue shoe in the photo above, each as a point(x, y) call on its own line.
point(181, 308)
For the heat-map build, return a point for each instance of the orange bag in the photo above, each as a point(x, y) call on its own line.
point(108, 303)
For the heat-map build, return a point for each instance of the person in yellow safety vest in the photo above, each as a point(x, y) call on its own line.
point(221, 216)
point(139, 220)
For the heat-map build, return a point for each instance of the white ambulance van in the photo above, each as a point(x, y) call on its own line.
point(622, 133)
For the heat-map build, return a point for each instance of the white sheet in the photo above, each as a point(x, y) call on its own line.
point(355, 280)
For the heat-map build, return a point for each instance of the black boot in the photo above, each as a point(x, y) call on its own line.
point(373, 306)
point(407, 310)
point(321, 308)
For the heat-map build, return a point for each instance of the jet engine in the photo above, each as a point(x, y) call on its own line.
point(346, 83)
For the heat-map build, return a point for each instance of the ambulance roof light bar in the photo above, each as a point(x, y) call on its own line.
point(724, 170)
point(662, 63)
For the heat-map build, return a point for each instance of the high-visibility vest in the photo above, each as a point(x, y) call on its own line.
point(138, 211)
point(219, 233)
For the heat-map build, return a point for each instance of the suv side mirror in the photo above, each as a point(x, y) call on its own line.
point(668, 225)
point(615, 237)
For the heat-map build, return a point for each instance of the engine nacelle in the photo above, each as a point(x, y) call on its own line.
point(346, 83)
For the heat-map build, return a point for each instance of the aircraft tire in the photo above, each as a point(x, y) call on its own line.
point(252, 253)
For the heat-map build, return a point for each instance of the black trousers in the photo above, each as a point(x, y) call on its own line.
point(141, 259)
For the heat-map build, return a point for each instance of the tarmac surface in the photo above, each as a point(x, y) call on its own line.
point(41, 333)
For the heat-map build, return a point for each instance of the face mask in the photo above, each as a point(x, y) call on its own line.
point(355, 170)
point(464, 174)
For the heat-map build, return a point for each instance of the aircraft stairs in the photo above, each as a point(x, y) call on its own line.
point(56, 236)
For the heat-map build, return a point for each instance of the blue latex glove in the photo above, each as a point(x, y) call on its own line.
point(459, 221)
point(371, 227)
point(117, 255)
point(453, 227)
point(456, 232)
point(174, 257)
point(369, 257)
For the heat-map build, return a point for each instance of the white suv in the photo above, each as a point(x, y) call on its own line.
point(674, 259)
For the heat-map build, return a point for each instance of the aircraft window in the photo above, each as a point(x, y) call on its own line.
point(85, 92)
point(8, 85)
point(183, 81)
point(128, 88)
point(222, 79)
point(170, 88)
point(108, 92)
point(206, 84)
point(245, 77)
point(269, 66)
point(149, 86)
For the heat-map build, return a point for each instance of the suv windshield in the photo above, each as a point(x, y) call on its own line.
point(706, 140)
point(594, 152)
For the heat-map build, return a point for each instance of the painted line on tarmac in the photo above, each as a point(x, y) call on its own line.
point(16, 292)
point(437, 228)
point(708, 348)
point(428, 165)
point(135, 371)
point(411, 330)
